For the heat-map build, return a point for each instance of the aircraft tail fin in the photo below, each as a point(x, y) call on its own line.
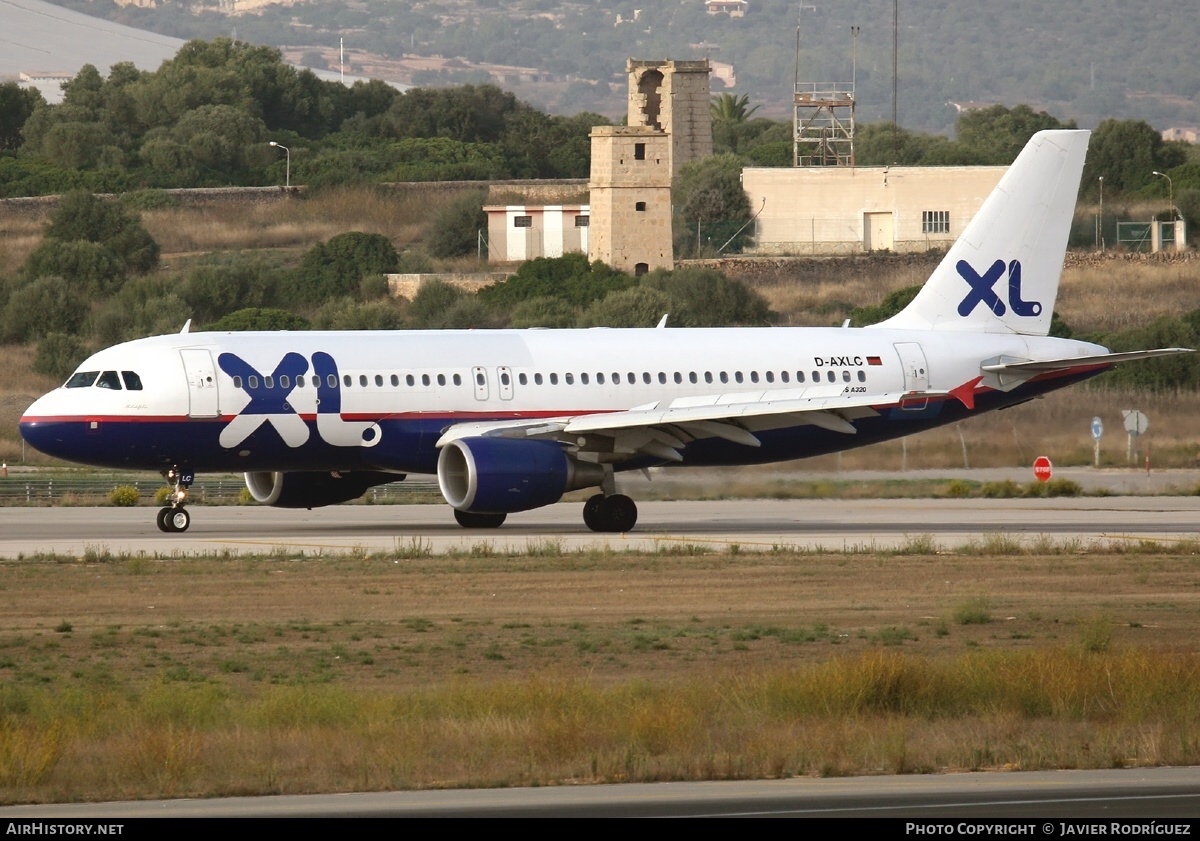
point(1001, 275)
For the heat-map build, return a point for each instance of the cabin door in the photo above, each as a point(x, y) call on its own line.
point(202, 383)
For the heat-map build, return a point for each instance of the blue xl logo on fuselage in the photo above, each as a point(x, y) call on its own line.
point(983, 292)
point(270, 404)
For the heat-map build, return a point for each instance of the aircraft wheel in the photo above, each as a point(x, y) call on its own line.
point(478, 520)
point(161, 518)
point(620, 513)
point(593, 513)
point(178, 519)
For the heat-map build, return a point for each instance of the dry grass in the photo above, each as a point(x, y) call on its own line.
point(297, 222)
point(146, 677)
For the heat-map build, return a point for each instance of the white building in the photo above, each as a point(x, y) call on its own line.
point(519, 232)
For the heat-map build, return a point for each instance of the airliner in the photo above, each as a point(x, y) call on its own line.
point(511, 420)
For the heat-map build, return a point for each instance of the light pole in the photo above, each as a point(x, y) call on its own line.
point(287, 179)
point(1170, 191)
point(1100, 230)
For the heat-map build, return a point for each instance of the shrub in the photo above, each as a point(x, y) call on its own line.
point(261, 319)
point(973, 612)
point(58, 354)
point(124, 496)
point(1006, 489)
point(47, 305)
point(337, 267)
point(454, 230)
point(957, 489)
point(1063, 487)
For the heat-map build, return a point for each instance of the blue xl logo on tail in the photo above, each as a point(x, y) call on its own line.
point(982, 291)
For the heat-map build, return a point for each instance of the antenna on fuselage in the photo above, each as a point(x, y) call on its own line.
point(662, 322)
point(187, 326)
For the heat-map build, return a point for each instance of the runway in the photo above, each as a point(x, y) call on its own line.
point(836, 525)
point(1101, 796)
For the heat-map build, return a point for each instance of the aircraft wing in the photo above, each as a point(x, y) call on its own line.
point(662, 429)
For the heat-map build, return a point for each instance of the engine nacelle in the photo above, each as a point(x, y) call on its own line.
point(503, 475)
point(304, 489)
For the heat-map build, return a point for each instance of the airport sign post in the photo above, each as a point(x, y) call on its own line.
point(1042, 468)
point(1097, 431)
point(1136, 424)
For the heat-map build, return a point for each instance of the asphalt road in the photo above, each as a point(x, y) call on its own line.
point(831, 524)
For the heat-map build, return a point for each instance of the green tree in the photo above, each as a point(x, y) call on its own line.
point(570, 278)
point(709, 197)
point(998, 134)
point(17, 104)
point(640, 306)
point(83, 216)
point(1126, 153)
point(58, 354)
point(43, 306)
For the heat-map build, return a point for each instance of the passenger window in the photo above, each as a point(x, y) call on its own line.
point(737, 375)
point(237, 382)
point(109, 379)
point(829, 376)
point(362, 380)
point(522, 379)
point(252, 382)
point(646, 377)
point(662, 378)
point(82, 379)
point(504, 379)
point(845, 376)
point(708, 376)
point(285, 381)
point(554, 379)
point(379, 380)
point(132, 381)
point(799, 376)
point(754, 376)
point(347, 381)
point(862, 376)
point(441, 379)
point(599, 379)
point(425, 379)
point(268, 381)
point(724, 377)
point(583, 378)
point(395, 381)
point(409, 381)
point(331, 380)
point(479, 380)
point(783, 376)
point(632, 378)
point(816, 376)
point(569, 378)
point(770, 376)
point(692, 377)
point(537, 379)
point(457, 379)
point(678, 378)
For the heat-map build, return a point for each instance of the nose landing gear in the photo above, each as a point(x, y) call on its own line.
point(174, 518)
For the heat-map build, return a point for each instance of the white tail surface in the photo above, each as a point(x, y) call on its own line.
point(1001, 275)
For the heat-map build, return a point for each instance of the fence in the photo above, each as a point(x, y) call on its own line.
point(25, 489)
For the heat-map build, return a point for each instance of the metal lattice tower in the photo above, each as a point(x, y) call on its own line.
point(823, 124)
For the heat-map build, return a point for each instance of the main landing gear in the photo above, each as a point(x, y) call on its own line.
point(174, 518)
point(613, 513)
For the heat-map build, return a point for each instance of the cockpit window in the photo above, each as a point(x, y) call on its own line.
point(109, 379)
point(82, 379)
point(132, 381)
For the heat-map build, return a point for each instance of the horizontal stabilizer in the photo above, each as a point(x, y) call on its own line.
point(1041, 366)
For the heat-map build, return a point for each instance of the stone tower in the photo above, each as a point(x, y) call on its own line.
point(673, 97)
point(631, 198)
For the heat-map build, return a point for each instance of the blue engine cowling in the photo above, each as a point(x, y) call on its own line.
point(314, 489)
point(503, 475)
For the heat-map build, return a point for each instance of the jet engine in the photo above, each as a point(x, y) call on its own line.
point(304, 489)
point(503, 475)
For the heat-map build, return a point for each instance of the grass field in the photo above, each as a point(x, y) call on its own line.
point(141, 677)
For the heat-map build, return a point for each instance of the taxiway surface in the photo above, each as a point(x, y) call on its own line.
point(838, 525)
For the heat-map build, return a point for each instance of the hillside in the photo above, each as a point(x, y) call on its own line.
point(1125, 60)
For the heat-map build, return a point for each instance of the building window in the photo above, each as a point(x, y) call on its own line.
point(522, 221)
point(581, 221)
point(639, 151)
point(935, 221)
point(640, 206)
